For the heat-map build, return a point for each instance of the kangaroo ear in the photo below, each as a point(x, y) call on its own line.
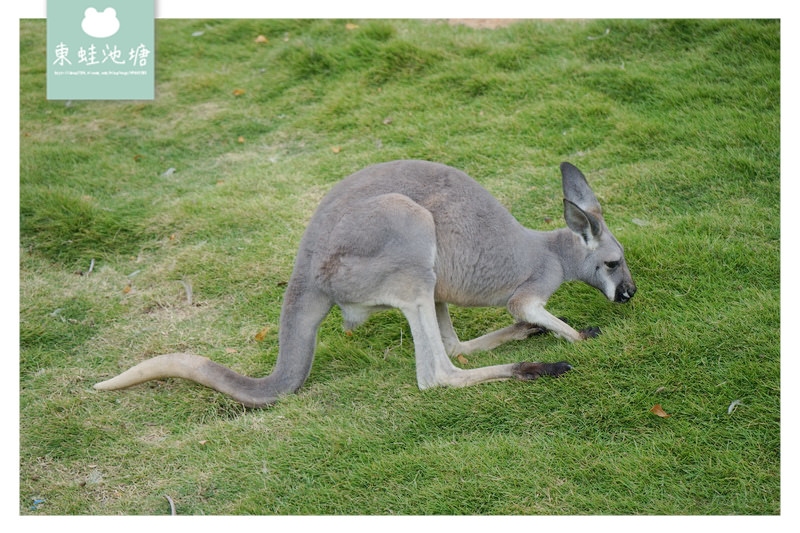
point(581, 222)
point(577, 190)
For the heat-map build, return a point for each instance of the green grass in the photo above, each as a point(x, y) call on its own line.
point(675, 123)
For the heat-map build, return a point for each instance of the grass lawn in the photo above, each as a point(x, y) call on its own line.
point(676, 125)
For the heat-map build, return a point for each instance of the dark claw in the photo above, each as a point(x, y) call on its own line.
point(531, 371)
point(590, 333)
point(534, 330)
point(556, 369)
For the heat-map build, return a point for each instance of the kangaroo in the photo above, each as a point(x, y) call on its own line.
point(416, 236)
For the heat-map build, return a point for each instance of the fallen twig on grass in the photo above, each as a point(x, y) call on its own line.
point(608, 30)
point(171, 505)
point(734, 404)
point(188, 288)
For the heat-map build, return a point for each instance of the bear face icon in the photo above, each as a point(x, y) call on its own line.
point(100, 25)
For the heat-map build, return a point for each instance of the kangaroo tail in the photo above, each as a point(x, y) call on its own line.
point(249, 391)
point(303, 311)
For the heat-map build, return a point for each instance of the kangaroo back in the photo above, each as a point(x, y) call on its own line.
point(481, 254)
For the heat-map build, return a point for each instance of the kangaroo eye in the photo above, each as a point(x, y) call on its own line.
point(612, 264)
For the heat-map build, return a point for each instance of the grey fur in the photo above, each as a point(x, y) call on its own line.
point(416, 235)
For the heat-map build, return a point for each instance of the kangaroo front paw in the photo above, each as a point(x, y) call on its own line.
point(531, 371)
point(524, 330)
point(590, 333)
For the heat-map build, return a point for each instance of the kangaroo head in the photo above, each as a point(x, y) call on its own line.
point(602, 259)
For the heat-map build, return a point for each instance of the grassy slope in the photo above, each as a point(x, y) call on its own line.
point(675, 123)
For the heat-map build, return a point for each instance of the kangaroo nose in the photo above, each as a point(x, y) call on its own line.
point(625, 292)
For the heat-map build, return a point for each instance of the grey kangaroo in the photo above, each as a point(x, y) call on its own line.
point(416, 235)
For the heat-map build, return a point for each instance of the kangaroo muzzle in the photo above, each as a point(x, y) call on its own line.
point(624, 292)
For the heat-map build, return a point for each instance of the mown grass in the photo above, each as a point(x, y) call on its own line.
point(676, 124)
